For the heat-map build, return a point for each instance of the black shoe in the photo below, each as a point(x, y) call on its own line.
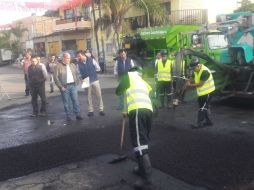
point(136, 171)
point(68, 118)
point(199, 126)
point(102, 113)
point(208, 123)
point(90, 114)
point(79, 117)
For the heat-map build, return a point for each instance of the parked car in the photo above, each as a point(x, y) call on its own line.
point(73, 54)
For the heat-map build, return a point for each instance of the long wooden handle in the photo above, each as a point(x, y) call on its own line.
point(122, 134)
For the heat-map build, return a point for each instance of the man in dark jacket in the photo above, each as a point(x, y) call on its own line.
point(87, 68)
point(37, 75)
point(122, 65)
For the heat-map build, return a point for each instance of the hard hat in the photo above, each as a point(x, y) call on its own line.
point(194, 62)
point(164, 52)
point(136, 68)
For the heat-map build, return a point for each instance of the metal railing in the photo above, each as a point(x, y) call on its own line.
point(73, 19)
point(189, 16)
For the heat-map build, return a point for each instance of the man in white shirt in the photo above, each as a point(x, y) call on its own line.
point(65, 76)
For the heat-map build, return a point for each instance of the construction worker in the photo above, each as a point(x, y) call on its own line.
point(202, 80)
point(139, 111)
point(164, 72)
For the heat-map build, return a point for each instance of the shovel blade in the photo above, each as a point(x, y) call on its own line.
point(118, 159)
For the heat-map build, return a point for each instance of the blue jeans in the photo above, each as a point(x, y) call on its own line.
point(70, 95)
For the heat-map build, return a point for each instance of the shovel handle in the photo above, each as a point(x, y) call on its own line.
point(122, 133)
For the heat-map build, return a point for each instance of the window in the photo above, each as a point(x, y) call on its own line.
point(68, 14)
point(217, 41)
point(167, 7)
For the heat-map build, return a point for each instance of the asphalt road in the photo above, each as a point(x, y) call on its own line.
point(217, 157)
point(214, 157)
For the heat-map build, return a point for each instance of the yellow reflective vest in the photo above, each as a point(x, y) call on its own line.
point(138, 93)
point(208, 86)
point(164, 72)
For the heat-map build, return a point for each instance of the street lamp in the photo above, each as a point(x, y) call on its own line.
point(148, 16)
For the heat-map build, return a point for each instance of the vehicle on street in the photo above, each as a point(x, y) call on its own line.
point(5, 56)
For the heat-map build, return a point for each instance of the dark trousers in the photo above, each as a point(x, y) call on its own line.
point(26, 84)
point(164, 89)
point(35, 91)
point(204, 108)
point(140, 122)
point(102, 66)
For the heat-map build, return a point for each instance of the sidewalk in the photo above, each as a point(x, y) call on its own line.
point(91, 174)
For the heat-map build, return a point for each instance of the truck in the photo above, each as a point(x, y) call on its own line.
point(5, 56)
point(225, 47)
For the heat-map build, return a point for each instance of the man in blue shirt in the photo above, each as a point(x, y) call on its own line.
point(87, 68)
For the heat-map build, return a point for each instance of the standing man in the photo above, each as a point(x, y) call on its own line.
point(202, 80)
point(139, 110)
point(37, 75)
point(88, 67)
point(50, 68)
point(26, 64)
point(65, 76)
point(122, 65)
point(164, 72)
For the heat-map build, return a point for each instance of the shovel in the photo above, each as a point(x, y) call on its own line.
point(120, 157)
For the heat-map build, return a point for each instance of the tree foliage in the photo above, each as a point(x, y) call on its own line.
point(245, 5)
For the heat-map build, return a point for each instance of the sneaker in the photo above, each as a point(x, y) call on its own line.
point(79, 117)
point(43, 114)
point(34, 115)
point(102, 113)
point(90, 114)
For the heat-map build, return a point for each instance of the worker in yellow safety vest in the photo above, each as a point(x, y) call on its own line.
point(139, 111)
point(202, 80)
point(164, 76)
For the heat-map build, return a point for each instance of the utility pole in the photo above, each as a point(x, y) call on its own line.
point(102, 39)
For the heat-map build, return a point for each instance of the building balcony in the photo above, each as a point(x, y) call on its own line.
point(78, 23)
point(189, 16)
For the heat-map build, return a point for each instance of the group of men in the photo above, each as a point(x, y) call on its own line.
point(138, 105)
point(66, 76)
point(134, 101)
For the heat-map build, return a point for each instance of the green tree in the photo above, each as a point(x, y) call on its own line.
point(115, 10)
point(18, 32)
point(245, 5)
point(5, 39)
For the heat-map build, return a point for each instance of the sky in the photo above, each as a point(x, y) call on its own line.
point(12, 10)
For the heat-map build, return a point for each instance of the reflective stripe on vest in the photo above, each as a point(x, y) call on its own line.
point(164, 73)
point(208, 86)
point(137, 94)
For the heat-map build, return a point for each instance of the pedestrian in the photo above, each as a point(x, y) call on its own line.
point(50, 68)
point(122, 65)
point(26, 64)
point(37, 75)
point(139, 111)
point(202, 80)
point(102, 62)
point(66, 79)
point(87, 68)
point(164, 78)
